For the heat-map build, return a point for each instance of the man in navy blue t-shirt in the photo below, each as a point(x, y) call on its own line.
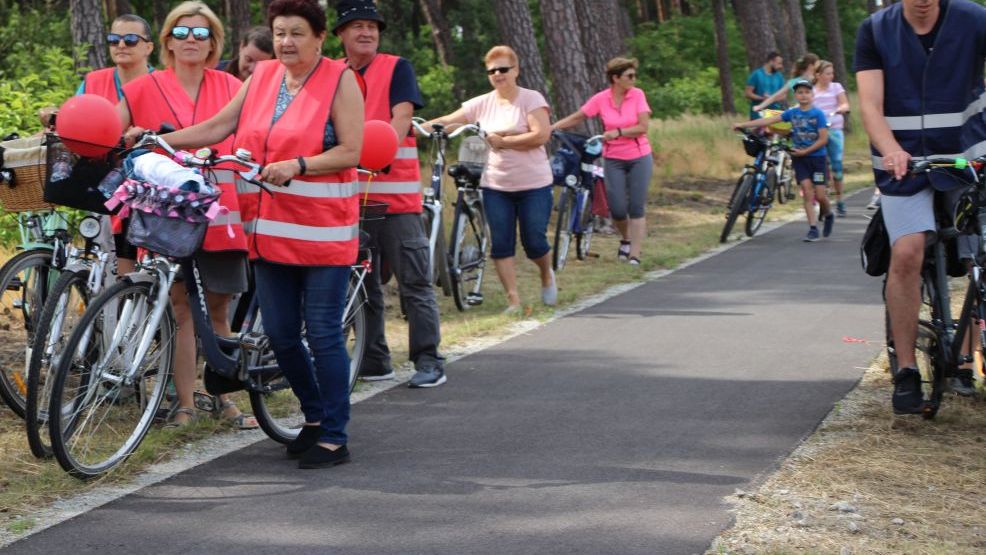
point(810, 134)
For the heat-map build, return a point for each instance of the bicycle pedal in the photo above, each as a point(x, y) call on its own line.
point(254, 341)
point(14, 285)
point(474, 299)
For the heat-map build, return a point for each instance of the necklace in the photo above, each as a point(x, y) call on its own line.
point(294, 88)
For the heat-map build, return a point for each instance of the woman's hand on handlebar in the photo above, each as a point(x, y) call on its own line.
point(280, 173)
point(132, 136)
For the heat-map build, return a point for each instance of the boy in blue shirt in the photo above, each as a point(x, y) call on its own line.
point(809, 133)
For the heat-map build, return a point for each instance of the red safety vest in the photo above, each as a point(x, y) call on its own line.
point(401, 188)
point(103, 83)
point(158, 98)
point(315, 220)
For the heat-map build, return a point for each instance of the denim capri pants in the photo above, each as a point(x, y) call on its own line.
point(834, 150)
point(531, 208)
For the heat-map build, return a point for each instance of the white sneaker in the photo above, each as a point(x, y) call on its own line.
point(874, 203)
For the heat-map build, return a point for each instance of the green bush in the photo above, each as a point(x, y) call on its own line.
point(696, 93)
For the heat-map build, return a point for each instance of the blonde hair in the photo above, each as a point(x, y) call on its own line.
point(822, 66)
point(190, 9)
point(501, 51)
point(617, 66)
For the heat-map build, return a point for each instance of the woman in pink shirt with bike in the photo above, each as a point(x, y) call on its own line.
point(627, 155)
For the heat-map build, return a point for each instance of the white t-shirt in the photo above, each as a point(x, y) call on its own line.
point(827, 101)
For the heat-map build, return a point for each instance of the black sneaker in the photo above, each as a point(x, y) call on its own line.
point(962, 384)
point(377, 375)
point(828, 221)
point(320, 457)
point(428, 377)
point(306, 439)
point(908, 398)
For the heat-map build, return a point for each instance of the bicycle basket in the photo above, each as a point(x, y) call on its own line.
point(73, 181)
point(170, 222)
point(23, 178)
point(473, 150)
point(753, 145)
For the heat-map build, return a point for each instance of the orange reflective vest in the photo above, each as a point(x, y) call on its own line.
point(103, 83)
point(314, 221)
point(158, 98)
point(401, 188)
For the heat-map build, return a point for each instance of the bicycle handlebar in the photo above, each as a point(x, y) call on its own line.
point(438, 129)
point(209, 160)
point(921, 166)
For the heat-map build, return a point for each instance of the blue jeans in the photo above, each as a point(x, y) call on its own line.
point(316, 295)
point(834, 150)
point(505, 209)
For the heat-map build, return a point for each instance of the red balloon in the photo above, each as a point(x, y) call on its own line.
point(88, 125)
point(379, 145)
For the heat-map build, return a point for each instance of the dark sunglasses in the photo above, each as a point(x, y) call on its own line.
point(200, 33)
point(501, 69)
point(631, 76)
point(130, 39)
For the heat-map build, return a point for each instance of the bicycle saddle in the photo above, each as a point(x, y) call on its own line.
point(469, 171)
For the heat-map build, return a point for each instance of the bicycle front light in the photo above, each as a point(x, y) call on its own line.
point(571, 180)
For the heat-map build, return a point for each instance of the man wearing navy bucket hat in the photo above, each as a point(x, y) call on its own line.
point(392, 95)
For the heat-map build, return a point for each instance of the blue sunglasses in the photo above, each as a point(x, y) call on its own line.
point(182, 32)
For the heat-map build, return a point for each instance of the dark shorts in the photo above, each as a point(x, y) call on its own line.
point(812, 168)
point(123, 248)
point(222, 272)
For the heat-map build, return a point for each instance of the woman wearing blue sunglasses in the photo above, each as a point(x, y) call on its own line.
point(187, 92)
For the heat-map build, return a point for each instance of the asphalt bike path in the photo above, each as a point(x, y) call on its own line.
point(617, 429)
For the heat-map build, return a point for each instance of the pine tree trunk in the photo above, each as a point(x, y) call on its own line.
point(833, 40)
point(440, 33)
point(779, 19)
point(602, 40)
point(758, 34)
point(237, 24)
point(160, 13)
point(566, 57)
point(797, 42)
point(88, 28)
point(722, 57)
point(517, 29)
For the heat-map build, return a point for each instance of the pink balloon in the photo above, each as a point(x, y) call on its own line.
point(88, 125)
point(379, 145)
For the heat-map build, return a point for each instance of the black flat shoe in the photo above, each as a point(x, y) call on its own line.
point(306, 439)
point(320, 457)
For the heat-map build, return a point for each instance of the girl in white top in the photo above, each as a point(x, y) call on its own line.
point(831, 98)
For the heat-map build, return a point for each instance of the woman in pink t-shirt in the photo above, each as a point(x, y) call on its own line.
point(517, 179)
point(627, 155)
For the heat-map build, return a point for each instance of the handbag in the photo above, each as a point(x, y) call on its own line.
point(874, 250)
point(73, 181)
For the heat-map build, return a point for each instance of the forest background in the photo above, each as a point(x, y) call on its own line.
point(695, 54)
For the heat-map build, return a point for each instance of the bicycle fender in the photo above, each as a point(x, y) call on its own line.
point(141, 277)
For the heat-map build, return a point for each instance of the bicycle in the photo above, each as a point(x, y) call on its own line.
point(755, 189)
point(85, 273)
point(575, 199)
point(940, 338)
point(110, 382)
point(463, 261)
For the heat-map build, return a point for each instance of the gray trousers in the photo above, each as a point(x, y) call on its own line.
point(400, 241)
point(627, 182)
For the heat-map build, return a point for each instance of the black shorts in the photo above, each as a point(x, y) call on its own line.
point(123, 248)
point(813, 168)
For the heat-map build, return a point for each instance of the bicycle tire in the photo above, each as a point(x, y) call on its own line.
point(783, 185)
point(439, 259)
point(583, 239)
point(563, 231)
point(736, 206)
point(756, 217)
point(354, 330)
point(56, 321)
point(83, 383)
point(20, 307)
point(470, 248)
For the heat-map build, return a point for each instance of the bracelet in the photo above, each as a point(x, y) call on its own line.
point(619, 132)
point(302, 165)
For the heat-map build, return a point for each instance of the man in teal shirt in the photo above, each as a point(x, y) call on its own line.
point(764, 81)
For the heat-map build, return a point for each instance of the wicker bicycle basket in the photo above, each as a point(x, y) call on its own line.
point(24, 160)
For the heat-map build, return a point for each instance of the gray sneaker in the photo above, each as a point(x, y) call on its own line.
point(962, 385)
point(428, 377)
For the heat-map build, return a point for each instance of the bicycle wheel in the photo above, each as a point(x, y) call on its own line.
point(106, 393)
point(755, 217)
point(930, 360)
point(737, 204)
point(24, 283)
point(439, 258)
point(354, 329)
point(583, 238)
point(470, 248)
point(68, 299)
point(563, 231)
point(785, 181)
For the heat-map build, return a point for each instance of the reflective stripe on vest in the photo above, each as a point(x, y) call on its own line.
point(314, 221)
point(933, 103)
point(401, 187)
